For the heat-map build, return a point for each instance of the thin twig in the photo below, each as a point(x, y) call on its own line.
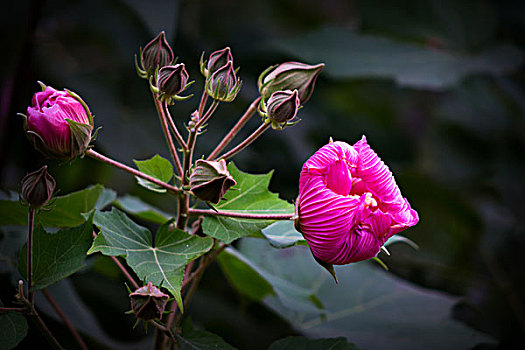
point(235, 130)
point(233, 214)
point(246, 142)
point(123, 269)
point(207, 116)
point(30, 229)
point(165, 128)
point(95, 155)
point(64, 318)
point(20, 310)
point(172, 125)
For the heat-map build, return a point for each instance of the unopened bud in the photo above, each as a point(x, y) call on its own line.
point(223, 85)
point(210, 180)
point(148, 302)
point(172, 80)
point(290, 76)
point(217, 60)
point(157, 53)
point(37, 188)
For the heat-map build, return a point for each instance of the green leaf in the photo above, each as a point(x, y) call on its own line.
point(142, 210)
point(157, 167)
point(202, 340)
point(250, 195)
point(241, 271)
point(282, 234)
point(66, 211)
point(106, 198)
point(162, 263)
point(57, 255)
point(351, 55)
point(366, 300)
point(13, 328)
point(292, 343)
point(243, 277)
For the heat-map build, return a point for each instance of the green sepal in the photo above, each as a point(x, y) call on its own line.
point(81, 101)
point(380, 262)
point(80, 137)
point(328, 267)
point(42, 85)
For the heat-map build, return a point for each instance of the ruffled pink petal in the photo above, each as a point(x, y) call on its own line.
point(349, 203)
point(376, 176)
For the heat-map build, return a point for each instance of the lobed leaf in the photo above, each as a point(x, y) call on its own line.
point(250, 195)
point(161, 263)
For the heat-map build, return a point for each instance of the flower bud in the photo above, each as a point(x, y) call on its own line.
point(210, 180)
point(157, 53)
point(290, 76)
point(280, 108)
point(223, 85)
point(172, 80)
point(218, 59)
point(59, 123)
point(148, 302)
point(37, 188)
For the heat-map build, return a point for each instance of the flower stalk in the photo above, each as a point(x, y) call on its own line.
point(95, 155)
point(246, 142)
point(64, 318)
point(235, 130)
point(30, 229)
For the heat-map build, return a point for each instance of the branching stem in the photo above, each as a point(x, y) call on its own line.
point(64, 318)
point(233, 214)
point(246, 142)
point(235, 130)
point(95, 155)
point(30, 229)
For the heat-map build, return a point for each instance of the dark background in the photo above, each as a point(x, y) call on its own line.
point(436, 86)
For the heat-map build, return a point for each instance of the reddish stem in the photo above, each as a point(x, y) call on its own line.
point(64, 318)
point(246, 142)
point(208, 212)
point(235, 130)
point(98, 156)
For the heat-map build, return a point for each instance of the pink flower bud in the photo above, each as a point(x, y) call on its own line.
point(349, 203)
point(290, 76)
point(59, 123)
point(37, 188)
point(148, 302)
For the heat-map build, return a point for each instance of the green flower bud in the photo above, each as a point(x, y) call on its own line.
point(290, 76)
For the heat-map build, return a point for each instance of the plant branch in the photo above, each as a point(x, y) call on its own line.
point(246, 142)
point(207, 116)
point(95, 155)
point(123, 269)
point(30, 229)
point(233, 214)
point(172, 125)
point(64, 318)
point(235, 130)
point(20, 310)
point(33, 315)
point(165, 128)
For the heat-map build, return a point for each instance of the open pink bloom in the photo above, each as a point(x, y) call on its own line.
point(58, 124)
point(349, 203)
